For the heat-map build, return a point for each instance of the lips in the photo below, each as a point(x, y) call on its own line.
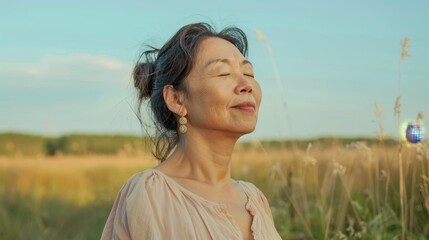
point(245, 106)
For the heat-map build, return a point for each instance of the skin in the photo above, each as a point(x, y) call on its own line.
point(217, 101)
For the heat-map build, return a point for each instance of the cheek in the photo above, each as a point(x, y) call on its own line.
point(209, 103)
point(214, 103)
point(257, 93)
point(214, 94)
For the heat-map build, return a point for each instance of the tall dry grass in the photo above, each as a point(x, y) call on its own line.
point(344, 192)
point(339, 180)
point(322, 191)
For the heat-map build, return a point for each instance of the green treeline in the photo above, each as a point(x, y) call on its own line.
point(13, 144)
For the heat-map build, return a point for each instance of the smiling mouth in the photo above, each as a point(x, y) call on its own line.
point(246, 107)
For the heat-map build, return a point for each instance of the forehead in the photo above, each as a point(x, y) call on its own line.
point(217, 48)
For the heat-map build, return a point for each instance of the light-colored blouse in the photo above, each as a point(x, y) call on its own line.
point(152, 205)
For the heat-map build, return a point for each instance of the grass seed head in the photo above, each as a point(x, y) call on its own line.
point(404, 52)
point(339, 169)
point(259, 35)
point(420, 117)
point(378, 110)
point(397, 108)
point(360, 147)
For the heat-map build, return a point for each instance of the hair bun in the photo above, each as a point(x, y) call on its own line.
point(143, 78)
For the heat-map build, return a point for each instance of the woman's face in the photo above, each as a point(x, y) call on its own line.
point(222, 93)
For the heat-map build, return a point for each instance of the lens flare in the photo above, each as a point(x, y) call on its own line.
point(411, 132)
point(414, 133)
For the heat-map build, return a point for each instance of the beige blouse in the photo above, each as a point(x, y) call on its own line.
point(152, 205)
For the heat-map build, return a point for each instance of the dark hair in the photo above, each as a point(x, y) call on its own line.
point(170, 65)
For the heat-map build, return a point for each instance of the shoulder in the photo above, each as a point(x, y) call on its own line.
point(257, 196)
point(136, 206)
point(142, 182)
point(148, 186)
point(253, 190)
point(139, 188)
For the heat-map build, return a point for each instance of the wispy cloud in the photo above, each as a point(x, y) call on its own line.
point(66, 93)
point(65, 70)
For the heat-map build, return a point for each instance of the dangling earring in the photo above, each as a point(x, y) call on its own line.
point(182, 124)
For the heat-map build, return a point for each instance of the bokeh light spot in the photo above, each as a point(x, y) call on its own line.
point(414, 133)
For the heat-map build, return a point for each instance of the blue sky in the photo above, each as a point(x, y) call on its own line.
point(66, 67)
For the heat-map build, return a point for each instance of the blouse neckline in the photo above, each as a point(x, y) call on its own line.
point(196, 196)
point(255, 226)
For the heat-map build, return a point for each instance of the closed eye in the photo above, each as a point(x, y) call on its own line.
point(249, 75)
point(223, 75)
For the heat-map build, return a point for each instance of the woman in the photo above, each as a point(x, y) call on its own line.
point(204, 97)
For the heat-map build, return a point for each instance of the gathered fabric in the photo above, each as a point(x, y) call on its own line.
point(152, 205)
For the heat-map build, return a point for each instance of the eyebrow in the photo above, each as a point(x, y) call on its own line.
point(225, 60)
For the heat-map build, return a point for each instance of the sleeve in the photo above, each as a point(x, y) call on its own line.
point(129, 217)
point(260, 198)
point(116, 226)
point(264, 203)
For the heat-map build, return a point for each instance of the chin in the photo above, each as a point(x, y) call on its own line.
point(238, 130)
point(247, 130)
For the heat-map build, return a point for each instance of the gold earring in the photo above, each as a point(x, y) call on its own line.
point(182, 124)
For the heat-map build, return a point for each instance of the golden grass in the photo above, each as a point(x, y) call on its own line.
point(70, 178)
point(318, 192)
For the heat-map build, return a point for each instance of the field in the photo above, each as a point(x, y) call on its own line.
point(335, 189)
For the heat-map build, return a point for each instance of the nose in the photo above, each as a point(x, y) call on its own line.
point(244, 85)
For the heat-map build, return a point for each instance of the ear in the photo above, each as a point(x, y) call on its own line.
point(174, 100)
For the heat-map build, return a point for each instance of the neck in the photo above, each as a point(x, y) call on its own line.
point(203, 157)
